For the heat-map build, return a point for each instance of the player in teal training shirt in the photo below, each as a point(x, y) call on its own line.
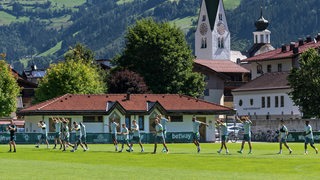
point(247, 133)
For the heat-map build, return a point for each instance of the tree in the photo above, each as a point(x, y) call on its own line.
point(123, 81)
point(305, 83)
point(69, 77)
point(81, 54)
point(159, 53)
point(9, 90)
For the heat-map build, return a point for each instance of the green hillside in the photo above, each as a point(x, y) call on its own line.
point(41, 31)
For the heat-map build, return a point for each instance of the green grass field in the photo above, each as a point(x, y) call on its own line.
point(101, 162)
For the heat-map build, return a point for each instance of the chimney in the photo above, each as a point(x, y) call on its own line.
point(128, 96)
point(300, 42)
point(309, 39)
point(295, 50)
point(238, 60)
point(283, 48)
point(292, 45)
point(318, 37)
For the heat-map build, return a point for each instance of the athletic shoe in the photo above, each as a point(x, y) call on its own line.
point(14, 150)
point(72, 150)
point(142, 150)
point(290, 152)
point(167, 152)
point(227, 152)
point(316, 151)
point(9, 150)
point(199, 150)
point(84, 150)
point(54, 148)
point(219, 151)
point(279, 153)
point(37, 146)
point(249, 152)
point(239, 152)
point(306, 153)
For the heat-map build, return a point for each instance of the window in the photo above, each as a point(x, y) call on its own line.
point(176, 118)
point(256, 38)
point(261, 38)
point(282, 101)
point(263, 102)
point(92, 119)
point(220, 16)
point(206, 92)
point(251, 102)
point(269, 68)
point(267, 38)
point(259, 69)
point(220, 42)
point(279, 67)
point(240, 102)
point(204, 43)
point(204, 18)
point(268, 102)
point(141, 122)
point(128, 121)
point(206, 77)
point(276, 101)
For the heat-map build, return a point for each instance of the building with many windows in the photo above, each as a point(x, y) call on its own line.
point(266, 97)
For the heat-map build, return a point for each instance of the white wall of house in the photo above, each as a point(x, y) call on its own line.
point(285, 63)
point(256, 107)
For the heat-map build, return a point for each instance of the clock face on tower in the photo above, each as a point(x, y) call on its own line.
point(221, 28)
point(203, 29)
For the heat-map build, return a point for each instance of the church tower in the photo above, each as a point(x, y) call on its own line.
point(261, 38)
point(262, 34)
point(212, 38)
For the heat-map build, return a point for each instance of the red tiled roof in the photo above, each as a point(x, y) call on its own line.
point(136, 103)
point(276, 80)
point(221, 66)
point(278, 54)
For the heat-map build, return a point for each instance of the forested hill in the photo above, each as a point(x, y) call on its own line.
point(40, 31)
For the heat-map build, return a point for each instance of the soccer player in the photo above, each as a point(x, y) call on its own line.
point(136, 136)
point(114, 126)
point(247, 133)
point(163, 122)
point(283, 137)
point(12, 129)
point(44, 134)
point(159, 137)
point(77, 129)
point(65, 134)
point(84, 135)
point(125, 137)
point(308, 138)
point(196, 134)
point(224, 134)
point(57, 136)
